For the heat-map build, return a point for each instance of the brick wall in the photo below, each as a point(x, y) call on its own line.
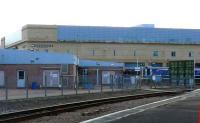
point(33, 73)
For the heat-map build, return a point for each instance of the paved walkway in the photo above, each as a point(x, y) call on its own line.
point(21, 93)
point(178, 109)
point(185, 111)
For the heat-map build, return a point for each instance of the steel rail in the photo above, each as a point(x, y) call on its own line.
point(23, 115)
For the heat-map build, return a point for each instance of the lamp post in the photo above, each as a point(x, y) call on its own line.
point(97, 80)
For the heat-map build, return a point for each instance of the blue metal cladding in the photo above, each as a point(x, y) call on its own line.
point(128, 34)
point(11, 56)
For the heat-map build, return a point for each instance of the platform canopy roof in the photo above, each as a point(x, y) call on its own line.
point(93, 63)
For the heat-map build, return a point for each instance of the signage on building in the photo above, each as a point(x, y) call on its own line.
point(137, 68)
point(182, 69)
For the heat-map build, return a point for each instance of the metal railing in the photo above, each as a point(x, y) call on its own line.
point(71, 85)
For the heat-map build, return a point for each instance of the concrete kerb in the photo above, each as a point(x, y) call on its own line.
point(138, 109)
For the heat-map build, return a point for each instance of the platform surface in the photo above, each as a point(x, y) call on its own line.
point(184, 111)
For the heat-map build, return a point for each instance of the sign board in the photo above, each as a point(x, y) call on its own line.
point(137, 68)
point(181, 69)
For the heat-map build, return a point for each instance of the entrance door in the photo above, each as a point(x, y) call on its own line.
point(20, 79)
point(51, 77)
point(2, 82)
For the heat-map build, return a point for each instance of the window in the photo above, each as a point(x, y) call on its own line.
point(190, 54)
point(64, 68)
point(134, 53)
point(114, 53)
point(173, 54)
point(21, 74)
point(85, 72)
point(155, 53)
point(93, 52)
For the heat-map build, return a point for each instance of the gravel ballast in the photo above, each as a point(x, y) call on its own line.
point(89, 113)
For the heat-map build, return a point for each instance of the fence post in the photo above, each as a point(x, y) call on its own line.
point(89, 85)
point(61, 80)
point(6, 89)
point(112, 78)
point(123, 84)
point(76, 82)
point(27, 86)
point(97, 77)
point(98, 80)
point(101, 86)
point(45, 84)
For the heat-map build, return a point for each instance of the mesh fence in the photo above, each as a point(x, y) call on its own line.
point(69, 85)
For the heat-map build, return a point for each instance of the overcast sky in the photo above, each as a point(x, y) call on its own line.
point(163, 13)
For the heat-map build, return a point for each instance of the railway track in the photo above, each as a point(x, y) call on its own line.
point(23, 115)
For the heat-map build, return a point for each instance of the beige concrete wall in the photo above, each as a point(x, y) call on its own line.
point(123, 52)
point(39, 33)
point(44, 38)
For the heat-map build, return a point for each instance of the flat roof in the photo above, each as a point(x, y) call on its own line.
point(12, 56)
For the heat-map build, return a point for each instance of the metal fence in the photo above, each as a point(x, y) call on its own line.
point(163, 82)
point(69, 85)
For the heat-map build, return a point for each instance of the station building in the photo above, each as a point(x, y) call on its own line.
point(20, 69)
point(134, 46)
point(25, 69)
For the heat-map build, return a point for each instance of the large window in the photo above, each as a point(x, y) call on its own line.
point(155, 53)
point(190, 54)
point(91, 52)
point(173, 54)
point(64, 68)
point(134, 53)
point(114, 52)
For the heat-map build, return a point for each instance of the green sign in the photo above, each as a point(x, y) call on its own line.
point(180, 69)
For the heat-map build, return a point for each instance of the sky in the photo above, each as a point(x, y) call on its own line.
point(163, 13)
